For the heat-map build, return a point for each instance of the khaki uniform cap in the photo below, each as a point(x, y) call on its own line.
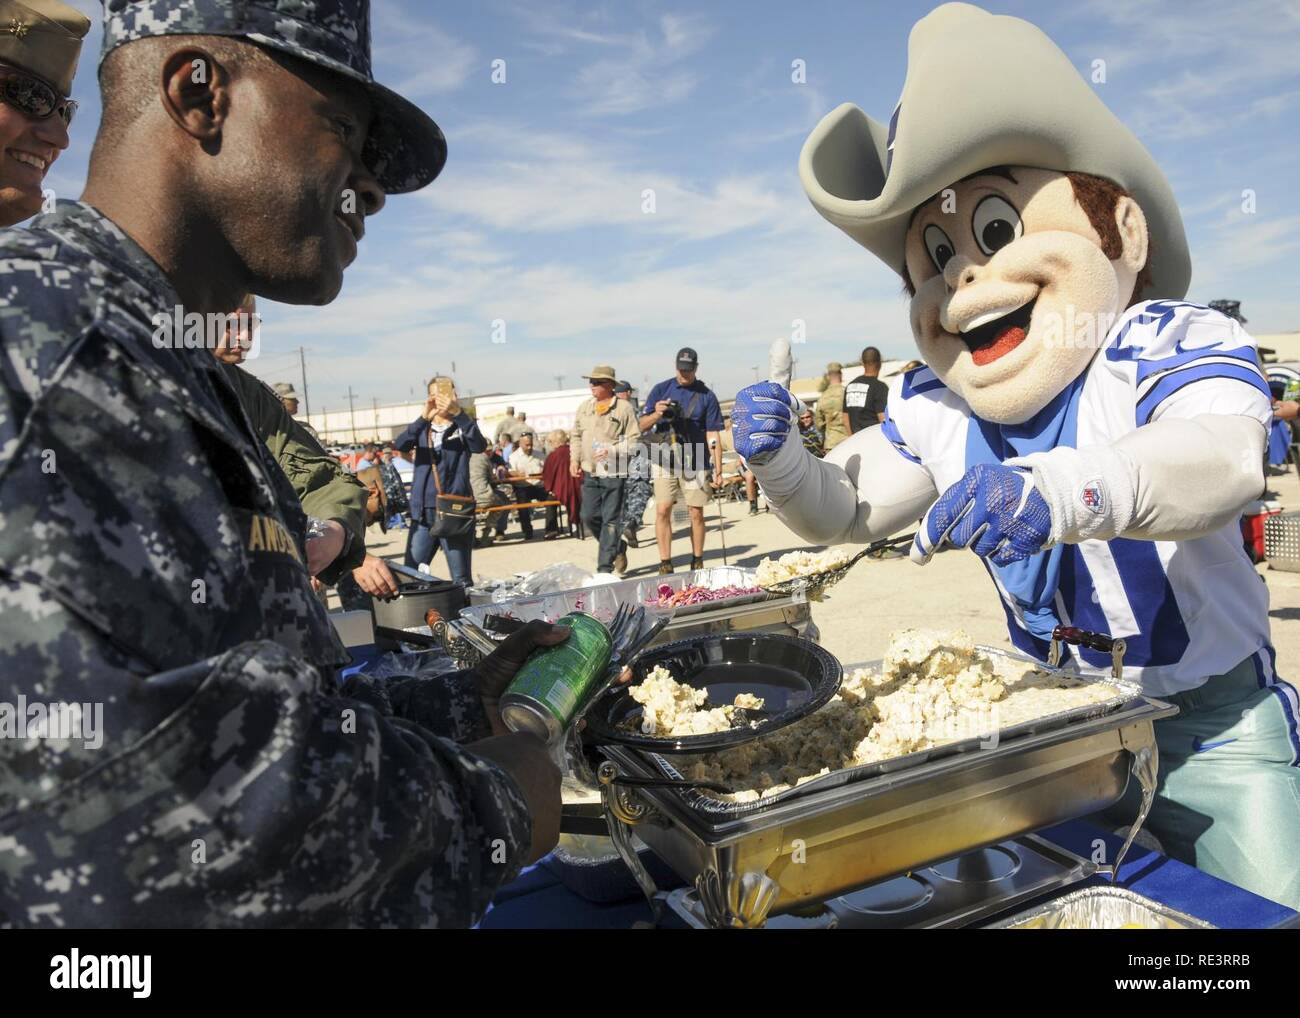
point(43, 37)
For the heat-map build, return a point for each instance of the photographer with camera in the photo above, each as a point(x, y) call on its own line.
point(683, 430)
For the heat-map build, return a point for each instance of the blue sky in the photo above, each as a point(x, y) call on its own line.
point(538, 219)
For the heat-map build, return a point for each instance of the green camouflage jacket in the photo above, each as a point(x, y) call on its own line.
point(326, 490)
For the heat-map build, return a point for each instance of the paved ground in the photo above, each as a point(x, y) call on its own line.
point(859, 616)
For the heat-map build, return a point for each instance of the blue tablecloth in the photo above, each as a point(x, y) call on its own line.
point(538, 899)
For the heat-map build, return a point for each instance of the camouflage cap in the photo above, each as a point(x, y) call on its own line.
point(834, 367)
point(285, 390)
point(405, 149)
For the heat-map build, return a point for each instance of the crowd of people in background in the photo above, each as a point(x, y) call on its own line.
point(618, 458)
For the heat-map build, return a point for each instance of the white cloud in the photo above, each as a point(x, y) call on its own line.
point(548, 182)
point(395, 323)
point(1210, 61)
point(637, 70)
point(414, 56)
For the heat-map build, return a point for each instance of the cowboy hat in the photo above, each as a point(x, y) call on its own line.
point(981, 90)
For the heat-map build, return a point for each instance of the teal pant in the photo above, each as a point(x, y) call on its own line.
point(1228, 798)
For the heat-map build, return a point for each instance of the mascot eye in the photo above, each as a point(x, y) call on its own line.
point(939, 246)
point(996, 224)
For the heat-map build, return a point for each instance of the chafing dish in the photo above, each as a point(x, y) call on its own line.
point(846, 829)
point(467, 637)
point(958, 892)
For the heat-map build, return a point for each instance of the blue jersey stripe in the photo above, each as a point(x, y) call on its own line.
point(1147, 368)
point(1021, 638)
point(1076, 592)
point(1190, 375)
point(912, 388)
point(1158, 312)
point(1161, 638)
point(891, 432)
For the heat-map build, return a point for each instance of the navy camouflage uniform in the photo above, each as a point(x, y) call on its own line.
point(152, 562)
point(638, 490)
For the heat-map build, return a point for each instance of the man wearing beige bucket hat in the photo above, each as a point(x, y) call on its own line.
point(1080, 427)
point(40, 42)
point(604, 431)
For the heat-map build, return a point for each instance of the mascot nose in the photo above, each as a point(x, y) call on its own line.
point(959, 272)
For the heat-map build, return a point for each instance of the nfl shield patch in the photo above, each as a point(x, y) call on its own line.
point(1093, 496)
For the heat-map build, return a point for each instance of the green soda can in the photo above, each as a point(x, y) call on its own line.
point(555, 683)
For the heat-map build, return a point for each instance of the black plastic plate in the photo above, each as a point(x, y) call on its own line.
point(793, 676)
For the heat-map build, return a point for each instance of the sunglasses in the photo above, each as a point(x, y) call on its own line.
point(34, 98)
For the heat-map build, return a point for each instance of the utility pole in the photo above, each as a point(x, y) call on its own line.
point(754, 369)
point(374, 403)
point(352, 413)
point(559, 381)
point(306, 401)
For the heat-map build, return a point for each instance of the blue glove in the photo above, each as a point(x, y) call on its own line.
point(994, 510)
point(761, 417)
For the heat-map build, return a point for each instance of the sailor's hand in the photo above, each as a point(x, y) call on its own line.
point(761, 419)
point(375, 578)
point(994, 510)
point(498, 669)
point(528, 761)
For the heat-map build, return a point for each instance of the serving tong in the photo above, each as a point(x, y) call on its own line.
point(813, 585)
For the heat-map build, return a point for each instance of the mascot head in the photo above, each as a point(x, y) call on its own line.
point(1021, 214)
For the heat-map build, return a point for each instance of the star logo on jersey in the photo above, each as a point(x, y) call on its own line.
point(1093, 497)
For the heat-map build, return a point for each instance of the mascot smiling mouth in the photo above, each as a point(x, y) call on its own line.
point(989, 340)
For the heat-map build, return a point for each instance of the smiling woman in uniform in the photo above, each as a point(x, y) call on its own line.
point(40, 41)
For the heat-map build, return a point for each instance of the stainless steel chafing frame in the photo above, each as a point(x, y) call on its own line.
point(881, 821)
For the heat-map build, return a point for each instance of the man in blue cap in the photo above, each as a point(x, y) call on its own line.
point(152, 553)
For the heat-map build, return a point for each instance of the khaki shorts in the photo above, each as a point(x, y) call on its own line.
point(670, 487)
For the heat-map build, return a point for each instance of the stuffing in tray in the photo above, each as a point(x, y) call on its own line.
point(933, 688)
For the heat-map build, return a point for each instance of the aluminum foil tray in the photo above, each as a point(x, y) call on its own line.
point(604, 600)
point(1125, 694)
point(1101, 908)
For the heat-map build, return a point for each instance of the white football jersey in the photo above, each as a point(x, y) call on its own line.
point(1187, 609)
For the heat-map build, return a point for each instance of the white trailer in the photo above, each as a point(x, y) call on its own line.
point(546, 410)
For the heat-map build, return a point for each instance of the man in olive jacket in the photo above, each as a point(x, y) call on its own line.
point(328, 492)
